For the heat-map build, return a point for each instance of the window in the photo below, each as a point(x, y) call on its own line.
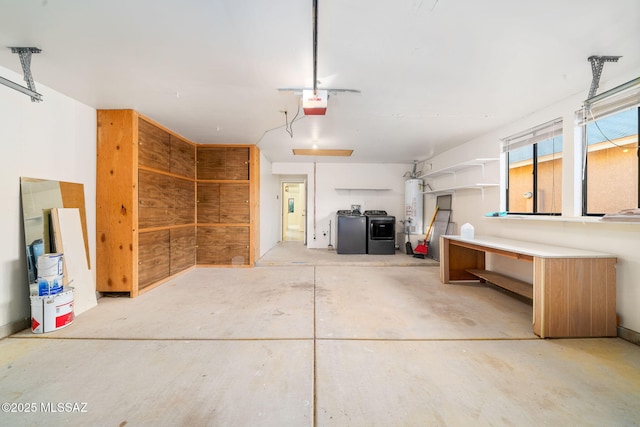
point(610, 146)
point(534, 175)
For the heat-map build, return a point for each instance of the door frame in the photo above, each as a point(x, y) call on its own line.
point(302, 182)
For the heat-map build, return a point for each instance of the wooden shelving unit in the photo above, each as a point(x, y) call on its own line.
point(226, 205)
point(149, 224)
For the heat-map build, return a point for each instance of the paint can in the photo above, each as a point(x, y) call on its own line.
point(52, 312)
point(50, 265)
point(50, 285)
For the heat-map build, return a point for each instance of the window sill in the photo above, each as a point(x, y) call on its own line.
point(579, 219)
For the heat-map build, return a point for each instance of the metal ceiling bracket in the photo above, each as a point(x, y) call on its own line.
point(315, 46)
point(25, 60)
point(597, 63)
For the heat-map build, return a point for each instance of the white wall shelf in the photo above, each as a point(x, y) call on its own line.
point(452, 170)
point(567, 219)
point(479, 186)
point(480, 162)
point(363, 189)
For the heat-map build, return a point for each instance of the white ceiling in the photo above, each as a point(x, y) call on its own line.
point(432, 73)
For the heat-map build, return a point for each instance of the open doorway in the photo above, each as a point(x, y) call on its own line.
point(294, 211)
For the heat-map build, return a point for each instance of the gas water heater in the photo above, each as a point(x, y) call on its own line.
point(413, 205)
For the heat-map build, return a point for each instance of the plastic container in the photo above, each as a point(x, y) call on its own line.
point(50, 285)
point(467, 231)
point(52, 312)
point(49, 265)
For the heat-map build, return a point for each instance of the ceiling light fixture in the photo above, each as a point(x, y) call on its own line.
point(323, 152)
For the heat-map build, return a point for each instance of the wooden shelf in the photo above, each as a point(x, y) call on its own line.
point(225, 181)
point(514, 285)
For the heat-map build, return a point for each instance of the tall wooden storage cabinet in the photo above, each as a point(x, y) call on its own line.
point(227, 183)
point(146, 216)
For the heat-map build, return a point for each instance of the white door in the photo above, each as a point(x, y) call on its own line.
point(293, 211)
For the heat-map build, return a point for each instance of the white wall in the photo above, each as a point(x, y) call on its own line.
point(336, 186)
point(269, 206)
point(54, 139)
point(622, 240)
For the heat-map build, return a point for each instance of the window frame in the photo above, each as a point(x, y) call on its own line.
point(531, 137)
point(606, 104)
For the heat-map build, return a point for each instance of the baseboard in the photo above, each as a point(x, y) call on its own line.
point(13, 327)
point(629, 335)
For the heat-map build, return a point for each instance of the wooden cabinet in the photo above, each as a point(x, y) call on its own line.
point(145, 203)
point(182, 249)
point(154, 146)
point(226, 205)
point(223, 163)
point(153, 257)
point(234, 203)
point(165, 204)
point(208, 203)
point(226, 245)
point(183, 158)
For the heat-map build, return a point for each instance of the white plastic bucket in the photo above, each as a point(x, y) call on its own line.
point(52, 312)
point(50, 265)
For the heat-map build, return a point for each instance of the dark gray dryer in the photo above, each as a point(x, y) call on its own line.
point(381, 233)
point(351, 232)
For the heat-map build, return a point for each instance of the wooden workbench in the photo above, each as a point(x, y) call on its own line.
point(573, 290)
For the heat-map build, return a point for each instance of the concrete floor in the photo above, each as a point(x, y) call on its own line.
point(308, 338)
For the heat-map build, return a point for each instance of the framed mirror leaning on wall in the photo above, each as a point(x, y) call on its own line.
point(39, 196)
